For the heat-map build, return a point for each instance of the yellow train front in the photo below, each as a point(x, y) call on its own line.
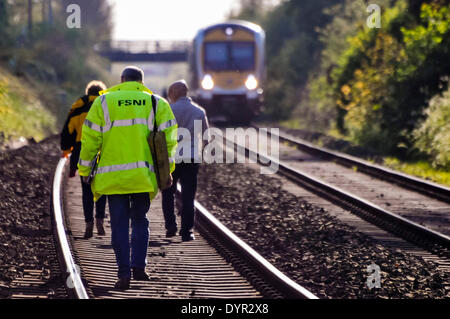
point(227, 67)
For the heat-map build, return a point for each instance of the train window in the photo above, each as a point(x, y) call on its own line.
point(224, 56)
point(216, 56)
point(242, 56)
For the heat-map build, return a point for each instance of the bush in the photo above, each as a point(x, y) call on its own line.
point(22, 114)
point(433, 135)
point(388, 75)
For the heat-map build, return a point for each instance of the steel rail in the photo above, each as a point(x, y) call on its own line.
point(286, 286)
point(74, 282)
point(351, 201)
point(431, 189)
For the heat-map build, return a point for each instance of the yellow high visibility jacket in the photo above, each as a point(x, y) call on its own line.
point(118, 126)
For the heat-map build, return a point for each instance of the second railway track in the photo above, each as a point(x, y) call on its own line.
point(431, 189)
point(237, 205)
point(390, 207)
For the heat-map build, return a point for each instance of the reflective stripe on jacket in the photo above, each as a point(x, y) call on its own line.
point(118, 126)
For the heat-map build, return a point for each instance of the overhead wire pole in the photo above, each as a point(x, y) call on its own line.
point(44, 13)
point(50, 12)
point(30, 19)
point(47, 11)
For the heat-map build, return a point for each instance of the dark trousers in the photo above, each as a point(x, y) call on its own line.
point(88, 204)
point(74, 157)
point(122, 208)
point(186, 173)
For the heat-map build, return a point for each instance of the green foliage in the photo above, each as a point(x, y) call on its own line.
point(5, 35)
point(3, 20)
point(314, 111)
point(252, 10)
point(366, 96)
point(317, 109)
point(433, 135)
point(427, 39)
point(332, 73)
point(54, 53)
point(53, 61)
point(420, 168)
point(347, 19)
point(17, 102)
point(293, 52)
point(387, 76)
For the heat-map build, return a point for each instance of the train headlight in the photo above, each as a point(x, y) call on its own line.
point(251, 83)
point(207, 82)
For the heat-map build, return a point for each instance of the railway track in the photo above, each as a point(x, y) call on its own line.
point(431, 189)
point(216, 265)
point(303, 170)
point(242, 273)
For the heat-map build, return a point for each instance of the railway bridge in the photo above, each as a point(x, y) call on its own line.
point(145, 51)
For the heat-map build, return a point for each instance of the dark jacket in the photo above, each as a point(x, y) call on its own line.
point(71, 132)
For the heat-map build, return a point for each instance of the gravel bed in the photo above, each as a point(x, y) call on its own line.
point(308, 244)
point(26, 241)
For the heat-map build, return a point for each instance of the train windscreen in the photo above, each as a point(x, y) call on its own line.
point(216, 56)
point(223, 56)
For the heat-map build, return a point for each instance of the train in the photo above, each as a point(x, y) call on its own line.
point(227, 70)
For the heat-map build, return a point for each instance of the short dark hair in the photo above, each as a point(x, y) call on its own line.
point(132, 73)
point(94, 88)
point(178, 89)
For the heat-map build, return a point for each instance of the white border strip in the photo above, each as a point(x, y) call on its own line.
point(72, 268)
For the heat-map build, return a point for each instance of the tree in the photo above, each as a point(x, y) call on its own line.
point(293, 52)
point(432, 136)
point(388, 76)
point(30, 19)
point(253, 10)
point(4, 21)
point(95, 16)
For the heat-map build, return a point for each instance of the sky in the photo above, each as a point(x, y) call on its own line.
point(166, 19)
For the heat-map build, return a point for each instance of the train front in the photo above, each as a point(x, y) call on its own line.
point(228, 68)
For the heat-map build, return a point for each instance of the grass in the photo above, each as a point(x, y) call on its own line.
point(421, 169)
point(21, 112)
point(418, 168)
point(292, 123)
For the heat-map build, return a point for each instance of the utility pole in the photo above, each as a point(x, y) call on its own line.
point(47, 11)
point(50, 12)
point(44, 14)
point(30, 19)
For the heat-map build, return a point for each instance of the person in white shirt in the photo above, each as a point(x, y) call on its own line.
point(188, 115)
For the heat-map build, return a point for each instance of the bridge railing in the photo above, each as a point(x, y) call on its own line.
point(149, 47)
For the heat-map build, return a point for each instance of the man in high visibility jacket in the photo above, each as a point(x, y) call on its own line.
point(117, 126)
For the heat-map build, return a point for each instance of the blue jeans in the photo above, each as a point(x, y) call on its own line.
point(122, 208)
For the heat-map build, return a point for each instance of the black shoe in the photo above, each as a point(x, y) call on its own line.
point(122, 284)
point(89, 232)
point(171, 233)
point(187, 237)
point(100, 228)
point(140, 275)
